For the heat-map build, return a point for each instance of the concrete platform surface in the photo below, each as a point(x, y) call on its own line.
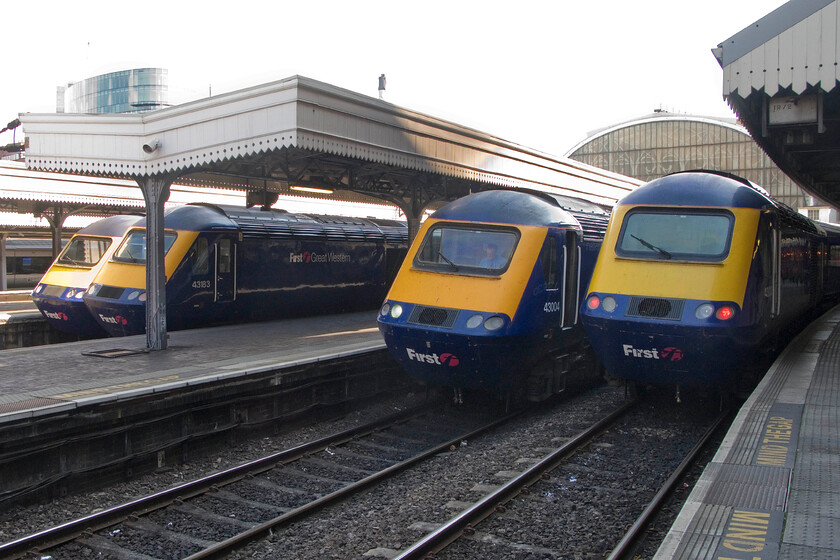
point(44, 379)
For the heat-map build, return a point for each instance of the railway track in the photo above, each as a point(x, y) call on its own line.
point(248, 501)
point(482, 531)
point(292, 504)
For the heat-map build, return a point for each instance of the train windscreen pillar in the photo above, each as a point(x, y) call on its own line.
point(156, 192)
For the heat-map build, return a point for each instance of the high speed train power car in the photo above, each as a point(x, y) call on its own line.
point(226, 264)
point(488, 295)
point(699, 272)
point(58, 296)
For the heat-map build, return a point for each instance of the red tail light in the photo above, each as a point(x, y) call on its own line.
point(725, 313)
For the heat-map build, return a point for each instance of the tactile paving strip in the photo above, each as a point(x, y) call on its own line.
point(813, 531)
point(796, 552)
point(825, 386)
point(751, 487)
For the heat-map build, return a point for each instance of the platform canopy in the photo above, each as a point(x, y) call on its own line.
point(297, 133)
point(301, 132)
point(780, 76)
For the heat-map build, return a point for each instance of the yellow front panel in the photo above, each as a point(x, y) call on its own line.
point(78, 277)
point(134, 275)
point(492, 295)
point(70, 277)
point(726, 280)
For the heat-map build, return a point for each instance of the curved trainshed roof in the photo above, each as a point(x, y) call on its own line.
point(660, 143)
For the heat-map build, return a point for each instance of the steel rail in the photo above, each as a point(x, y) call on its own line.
point(630, 537)
point(467, 519)
point(55, 536)
point(223, 548)
point(49, 482)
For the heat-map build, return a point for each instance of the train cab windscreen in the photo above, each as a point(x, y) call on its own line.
point(84, 251)
point(676, 235)
point(133, 248)
point(469, 250)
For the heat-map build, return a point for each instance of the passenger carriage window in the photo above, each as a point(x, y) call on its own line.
point(676, 234)
point(200, 257)
point(224, 256)
point(468, 250)
point(549, 264)
point(133, 248)
point(84, 251)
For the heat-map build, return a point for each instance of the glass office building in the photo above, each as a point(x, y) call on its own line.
point(662, 143)
point(126, 91)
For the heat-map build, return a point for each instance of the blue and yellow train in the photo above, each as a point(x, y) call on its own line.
point(226, 264)
point(488, 295)
point(699, 273)
point(58, 295)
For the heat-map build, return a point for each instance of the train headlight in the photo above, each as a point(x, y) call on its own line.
point(133, 295)
point(704, 311)
point(80, 294)
point(142, 297)
point(593, 302)
point(474, 321)
point(396, 310)
point(70, 293)
point(385, 309)
point(725, 312)
point(494, 323)
point(39, 288)
point(609, 304)
point(94, 288)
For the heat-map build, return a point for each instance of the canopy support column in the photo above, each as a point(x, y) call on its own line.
point(55, 216)
point(413, 209)
point(156, 192)
point(4, 284)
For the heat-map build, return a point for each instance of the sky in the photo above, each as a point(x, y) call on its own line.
point(541, 74)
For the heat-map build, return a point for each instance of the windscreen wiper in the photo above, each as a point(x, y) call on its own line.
point(452, 264)
point(652, 247)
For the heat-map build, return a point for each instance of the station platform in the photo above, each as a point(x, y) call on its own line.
point(45, 380)
point(772, 489)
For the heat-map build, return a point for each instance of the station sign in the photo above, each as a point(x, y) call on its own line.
point(792, 110)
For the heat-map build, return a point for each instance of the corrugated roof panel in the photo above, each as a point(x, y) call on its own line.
point(771, 25)
point(793, 47)
point(828, 39)
point(771, 60)
point(786, 58)
point(800, 59)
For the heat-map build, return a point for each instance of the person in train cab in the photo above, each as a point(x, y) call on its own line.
point(491, 258)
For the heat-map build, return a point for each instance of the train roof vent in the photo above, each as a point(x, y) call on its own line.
point(395, 234)
point(594, 226)
point(433, 316)
point(656, 308)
